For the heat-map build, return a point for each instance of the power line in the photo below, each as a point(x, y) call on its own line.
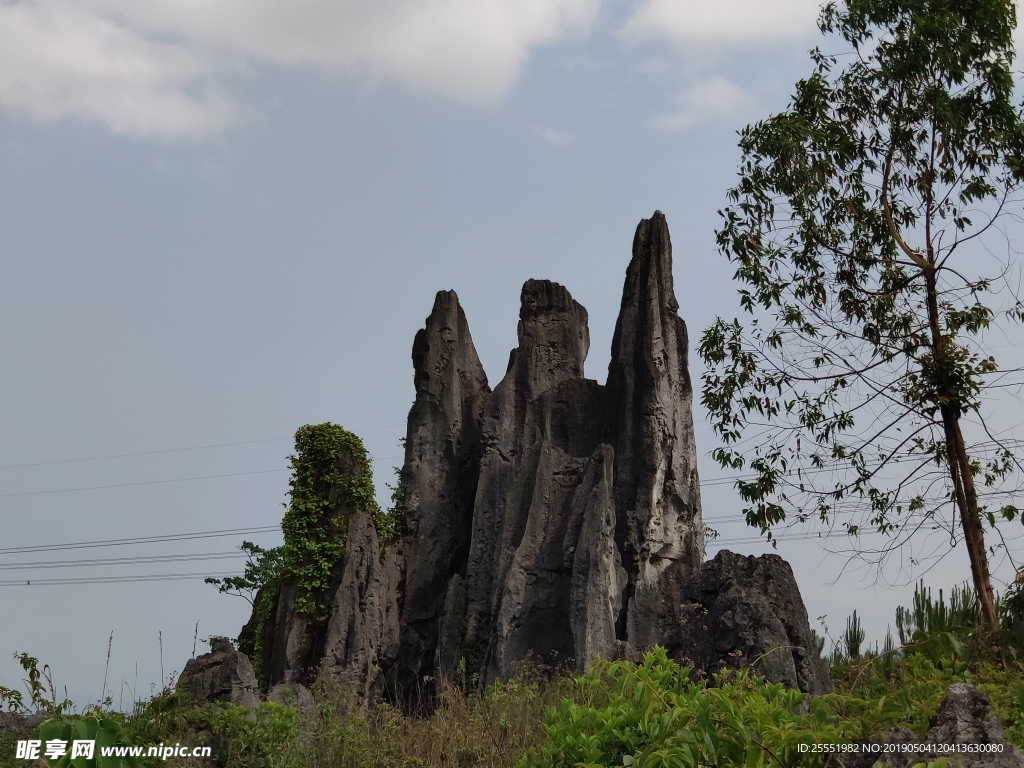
point(121, 561)
point(147, 482)
point(172, 450)
point(110, 579)
point(138, 540)
point(140, 453)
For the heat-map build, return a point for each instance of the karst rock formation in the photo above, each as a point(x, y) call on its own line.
point(552, 517)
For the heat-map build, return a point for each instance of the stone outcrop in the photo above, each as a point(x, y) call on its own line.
point(552, 517)
point(555, 516)
point(439, 477)
point(743, 612)
point(295, 644)
point(362, 634)
point(223, 675)
point(964, 718)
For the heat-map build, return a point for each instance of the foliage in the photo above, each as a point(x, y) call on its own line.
point(105, 731)
point(620, 714)
point(261, 737)
point(42, 693)
point(389, 524)
point(853, 636)
point(493, 728)
point(262, 567)
point(655, 714)
point(912, 688)
point(850, 231)
point(331, 479)
point(1011, 618)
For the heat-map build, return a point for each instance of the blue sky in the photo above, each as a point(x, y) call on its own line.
point(220, 221)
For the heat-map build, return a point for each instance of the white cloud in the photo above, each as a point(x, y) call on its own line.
point(109, 60)
point(556, 138)
point(57, 60)
point(695, 22)
point(716, 97)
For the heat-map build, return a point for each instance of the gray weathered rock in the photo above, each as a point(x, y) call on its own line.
point(874, 750)
point(362, 634)
point(657, 494)
point(747, 611)
point(442, 459)
point(586, 513)
point(15, 726)
point(293, 695)
point(223, 675)
point(552, 517)
point(965, 717)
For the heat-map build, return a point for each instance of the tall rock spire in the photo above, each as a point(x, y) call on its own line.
point(439, 477)
point(657, 494)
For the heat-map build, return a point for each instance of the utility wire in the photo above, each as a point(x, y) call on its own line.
point(146, 482)
point(121, 561)
point(139, 540)
point(172, 450)
point(111, 579)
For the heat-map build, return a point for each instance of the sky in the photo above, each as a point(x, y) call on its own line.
point(220, 221)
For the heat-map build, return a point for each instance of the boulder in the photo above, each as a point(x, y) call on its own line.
point(293, 695)
point(747, 612)
point(223, 675)
point(964, 719)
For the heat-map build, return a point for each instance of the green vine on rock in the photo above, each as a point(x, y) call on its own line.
point(332, 478)
point(264, 611)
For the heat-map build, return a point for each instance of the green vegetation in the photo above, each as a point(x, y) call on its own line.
point(332, 479)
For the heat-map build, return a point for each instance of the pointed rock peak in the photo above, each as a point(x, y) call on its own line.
point(443, 356)
point(650, 270)
point(554, 337)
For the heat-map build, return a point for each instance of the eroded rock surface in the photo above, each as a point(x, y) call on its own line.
point(553, 517)
point(745, 611)
point(362, 634)
point(223, 675)
point(584, 517)
point(439, 477)
point(965, 719)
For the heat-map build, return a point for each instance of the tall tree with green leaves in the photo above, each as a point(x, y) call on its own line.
point(861, 231)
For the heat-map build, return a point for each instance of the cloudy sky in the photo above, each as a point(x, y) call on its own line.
point(221, 220)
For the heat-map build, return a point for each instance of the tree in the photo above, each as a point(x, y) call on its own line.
point(860, 230)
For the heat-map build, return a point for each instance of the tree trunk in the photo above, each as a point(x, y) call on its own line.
point(970, 520)
point(959, 463)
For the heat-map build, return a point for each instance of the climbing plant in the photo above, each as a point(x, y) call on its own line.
point(332, 478)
